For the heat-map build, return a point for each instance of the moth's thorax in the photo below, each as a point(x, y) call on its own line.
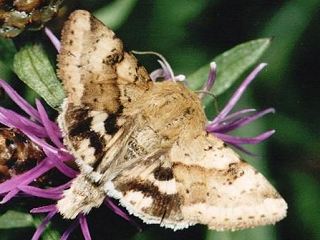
point(170, 107)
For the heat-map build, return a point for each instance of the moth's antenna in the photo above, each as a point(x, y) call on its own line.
point(163, 62)
point(205, 92)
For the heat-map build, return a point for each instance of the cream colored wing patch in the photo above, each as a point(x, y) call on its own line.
point(149, 191)
point(220, 190)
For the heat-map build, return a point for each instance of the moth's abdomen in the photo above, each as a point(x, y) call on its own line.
point(81, 197)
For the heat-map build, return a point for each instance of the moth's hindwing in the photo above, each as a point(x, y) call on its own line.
point(149, 191)
point(199, 181)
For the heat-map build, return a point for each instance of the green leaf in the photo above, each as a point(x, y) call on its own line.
point(33, 67)
point(5, 72)
point(114, 14)
point(15, 219)
point(7, 52)
point(230, 65)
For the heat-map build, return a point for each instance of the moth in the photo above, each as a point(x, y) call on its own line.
point(144, 143)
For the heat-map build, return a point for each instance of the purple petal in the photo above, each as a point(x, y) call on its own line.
point(11, 122)
point(236, 96)
point(167, 70)
point(69, 172)
point(240, 122)
point(47, 148)
point(158, 73)
point(249, 119)
point(120, 212)
point(55, 41)
point(237, 115)
point(116, 209)
point(44, 209)
point(64, 155)
point(26, 177)
point(59, 189)
point(70, 229)
point(23, 104)
point(223, 128)
point(212, 126)
point(244, 140)
point(43, 225)
point(212, 77)
point(38, 192)
point(12, 119)
point(84, 227)
point(9, 196)
point(54, 137)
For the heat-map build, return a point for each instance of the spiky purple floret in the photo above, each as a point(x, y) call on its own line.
point(225, 122)
point(51, 210)
point(54, 40)
point(41, 129)
point(70, 229)
point(165, 72)
point(237, 121)
point(84, 227)
point(120, 212)
point(40, 229)
point(211, 78)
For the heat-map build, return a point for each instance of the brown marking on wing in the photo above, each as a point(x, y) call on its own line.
point(163, 204)
point(163, 173)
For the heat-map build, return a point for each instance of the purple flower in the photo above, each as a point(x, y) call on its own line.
point(225, 121)
point(46, 134)
point(165, 72)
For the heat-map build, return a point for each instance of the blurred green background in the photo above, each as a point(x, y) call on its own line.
point(189, 33)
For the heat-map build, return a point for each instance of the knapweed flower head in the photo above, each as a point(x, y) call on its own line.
point(225, 121)
point(37, 126)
